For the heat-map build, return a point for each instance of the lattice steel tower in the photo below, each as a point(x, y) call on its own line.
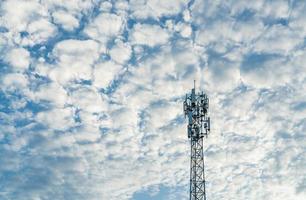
point(196, 109)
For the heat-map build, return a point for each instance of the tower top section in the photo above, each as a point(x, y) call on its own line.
point(196, 109)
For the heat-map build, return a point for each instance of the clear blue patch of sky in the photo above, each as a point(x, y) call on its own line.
point(164, 193)
point(300, 106)
point(4, 67)
point(5, 103)
point(3, 29)
point(281, 21)
point(245, 15)
point(255, 60)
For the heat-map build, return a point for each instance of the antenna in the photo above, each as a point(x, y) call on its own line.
point(196, 109)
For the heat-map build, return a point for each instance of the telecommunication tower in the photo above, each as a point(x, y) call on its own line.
point(196, 109)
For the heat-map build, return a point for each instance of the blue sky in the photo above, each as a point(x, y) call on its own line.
point(91, 98)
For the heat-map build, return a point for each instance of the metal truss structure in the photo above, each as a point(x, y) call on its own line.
point(196, 109)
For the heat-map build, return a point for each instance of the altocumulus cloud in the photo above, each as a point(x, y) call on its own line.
point(91, 95)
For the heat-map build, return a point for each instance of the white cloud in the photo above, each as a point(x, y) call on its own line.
point(66, 20)
point(19, 58)
point(154, 8)
point(296, 18)
point(15, 81)
point(184, 29)
point(186, 15)
point(91, 123)
point(113, 125)
point(85, 50)
point(130, 94)
point(222, 76)
point(74, 7)
point(144, 34)
point(87, 99)
point(58, 118)
point(241, 6)
point(42, 68)
point(276, 10)
point(106, 6)
point(105, 25)
point(120, 52)
point(104, 73)
point(125, 119)
point(18, 14)
point(39, 31)
point(167, 74)
point(75, 60)
point(158, 120)
point(30, 17)
point(279, 40)
point(229, 30)
point(53, 93)
point(122, 6)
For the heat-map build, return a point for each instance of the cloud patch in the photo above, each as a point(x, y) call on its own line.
point(144, 34)
point(91, 98)
point(23, 61)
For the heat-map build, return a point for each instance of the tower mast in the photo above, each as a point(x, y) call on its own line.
point(196, 109)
